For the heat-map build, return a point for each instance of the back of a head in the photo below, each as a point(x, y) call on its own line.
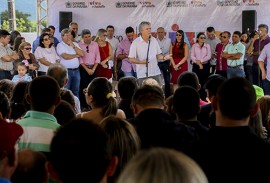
point(31, 167)
point(186, 102)
point(4, 105)
point(76, 145)
point(43, 91)
point(101, 90)
point(264, 104)
point(127, 86)
point(7, 87)
point(64, 112)
point(67, 96)
point(59, 73)
point(236, 98)
point(163, 166)
point(213, 83)
point(189, 79)
point(123, 141)
point(149, 96)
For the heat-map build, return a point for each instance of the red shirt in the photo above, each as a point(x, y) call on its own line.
point(221, 62)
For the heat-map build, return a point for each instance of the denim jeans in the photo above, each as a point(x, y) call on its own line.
point(266, 87)
point(5, 75)
point(74, 81)
point(165, 69)
point(235, 72)
point(132, 73)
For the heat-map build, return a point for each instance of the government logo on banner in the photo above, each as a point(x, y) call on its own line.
point(229, 2)
point(181, 3)
point(251, 2)
point(125, 4)
point(83, 4)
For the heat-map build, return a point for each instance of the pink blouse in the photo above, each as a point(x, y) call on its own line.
point(203, 54)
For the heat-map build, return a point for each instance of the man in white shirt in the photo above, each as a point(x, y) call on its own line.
point(74, 26)
point(164, 65)
point(69, 53)
point(139, 53)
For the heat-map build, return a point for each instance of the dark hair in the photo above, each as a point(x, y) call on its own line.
point(210, 29)
point(30, 171)
point(85, 31)
point(252, 34)
point(129, 30)
point(110, 26)
point(4, 33)
point(186, 102)
point(41, 39)
point(197, 38)
point(13, 35)
point(123, 139)
point(148, 95)
point(22, 64)
point(7, 87)
point(51, 27)
point(236, 94)
point(45, 30)
point(247, 33)
point(80, 142)
point(43, 91)
point(17, 42)
point(229, 34)
point(188, 79)
point(101, 90)
point(59, 73)
point(19, 106)
point(264, 26)
point(67, 96)
point(182, 40)
point(213, 83)
point(127, 86)
point(4, 105)
point(64, 113)
point(73, 34)
point(237, 33)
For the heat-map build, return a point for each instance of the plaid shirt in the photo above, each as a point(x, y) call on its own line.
point(5, 50)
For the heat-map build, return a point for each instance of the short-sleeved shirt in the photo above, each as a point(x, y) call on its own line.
point(265, 55)
point(91, 53)
point(138, 50)
point(164, 45)
point(256, 47)
point(123, 48)
point(49, 54)
point(114, 43)
point(235, 48)
point(213, 43)
point(64, 48)
point(5, 50)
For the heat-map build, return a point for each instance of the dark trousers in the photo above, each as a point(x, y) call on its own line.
point(202, 74)
point(256, 75)
point(165, 69)
point(222, 73)
point(5, 75)
point(85, 80)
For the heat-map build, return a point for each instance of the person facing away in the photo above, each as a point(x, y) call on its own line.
point(39, 124)
point(22, 73)
point(231, 151)
point(76, 145)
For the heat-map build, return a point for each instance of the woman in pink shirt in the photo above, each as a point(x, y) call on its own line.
point(200, 55)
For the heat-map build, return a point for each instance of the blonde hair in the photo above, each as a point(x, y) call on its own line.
point(162, 165)
point(99, 33)
point(150, 82)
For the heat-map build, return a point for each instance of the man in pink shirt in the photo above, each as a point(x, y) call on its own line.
point(221, 64)
point(88, 62)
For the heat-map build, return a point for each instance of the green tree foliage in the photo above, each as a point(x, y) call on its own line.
point(22, 22)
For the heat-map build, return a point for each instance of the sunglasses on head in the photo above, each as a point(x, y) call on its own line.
point(87, 49)
point(27, 48)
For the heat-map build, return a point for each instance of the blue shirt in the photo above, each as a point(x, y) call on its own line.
point(18, 78)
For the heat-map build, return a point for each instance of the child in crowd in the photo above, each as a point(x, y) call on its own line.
point(22, 75)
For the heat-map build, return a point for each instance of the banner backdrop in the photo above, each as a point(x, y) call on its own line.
point(192, 16)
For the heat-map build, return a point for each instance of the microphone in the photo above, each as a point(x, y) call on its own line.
point(150, 36)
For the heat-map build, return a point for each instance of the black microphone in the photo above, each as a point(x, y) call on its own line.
point(150, 36)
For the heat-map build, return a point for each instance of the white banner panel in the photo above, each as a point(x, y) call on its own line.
point(189, 15)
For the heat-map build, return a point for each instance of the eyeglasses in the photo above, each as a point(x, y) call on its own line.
point(46, 39)
point(87, 49)
point(85, 91)
point(223, 37)
point(202, 37)
point(178, 34)
point(105, 35)
point(27, 48)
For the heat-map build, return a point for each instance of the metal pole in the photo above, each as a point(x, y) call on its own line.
point(11, 15)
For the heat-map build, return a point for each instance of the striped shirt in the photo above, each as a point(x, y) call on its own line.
point(5, 50)
point(39, 129)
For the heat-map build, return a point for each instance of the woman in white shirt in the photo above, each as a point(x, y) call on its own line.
point(45, 54)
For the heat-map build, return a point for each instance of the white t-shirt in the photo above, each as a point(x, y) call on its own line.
point(114, 43)
point(138, 50)
point(64, 48)
point(49, 54)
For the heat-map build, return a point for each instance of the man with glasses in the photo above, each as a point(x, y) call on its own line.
point(88, 62)
point(164, 65)
point(212, 40)
point(234, 53)
point(221, 66)
point(7, 56)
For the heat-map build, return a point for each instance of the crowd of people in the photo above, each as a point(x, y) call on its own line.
point(62, 119)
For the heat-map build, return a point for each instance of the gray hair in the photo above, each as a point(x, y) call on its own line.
point(65, 31)
point(85, 31)
point(142, 24)
point(263, 26)
point(59, 72)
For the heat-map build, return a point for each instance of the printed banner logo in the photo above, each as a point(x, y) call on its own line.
point(228, 3)
point(251, 2)
point(147, 4)
point(198, 3)
point(125, 4)
point(76, 4)
point(96, 4)
point(177, 4)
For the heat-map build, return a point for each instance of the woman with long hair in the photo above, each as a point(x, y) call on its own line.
point(200, 55)
point(45, 53)
point(179, 51)
point(28, 58)
point(99, 97)
point(17, 43)
point(106, 54)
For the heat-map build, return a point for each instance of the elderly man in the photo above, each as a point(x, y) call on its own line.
point(69, 53)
